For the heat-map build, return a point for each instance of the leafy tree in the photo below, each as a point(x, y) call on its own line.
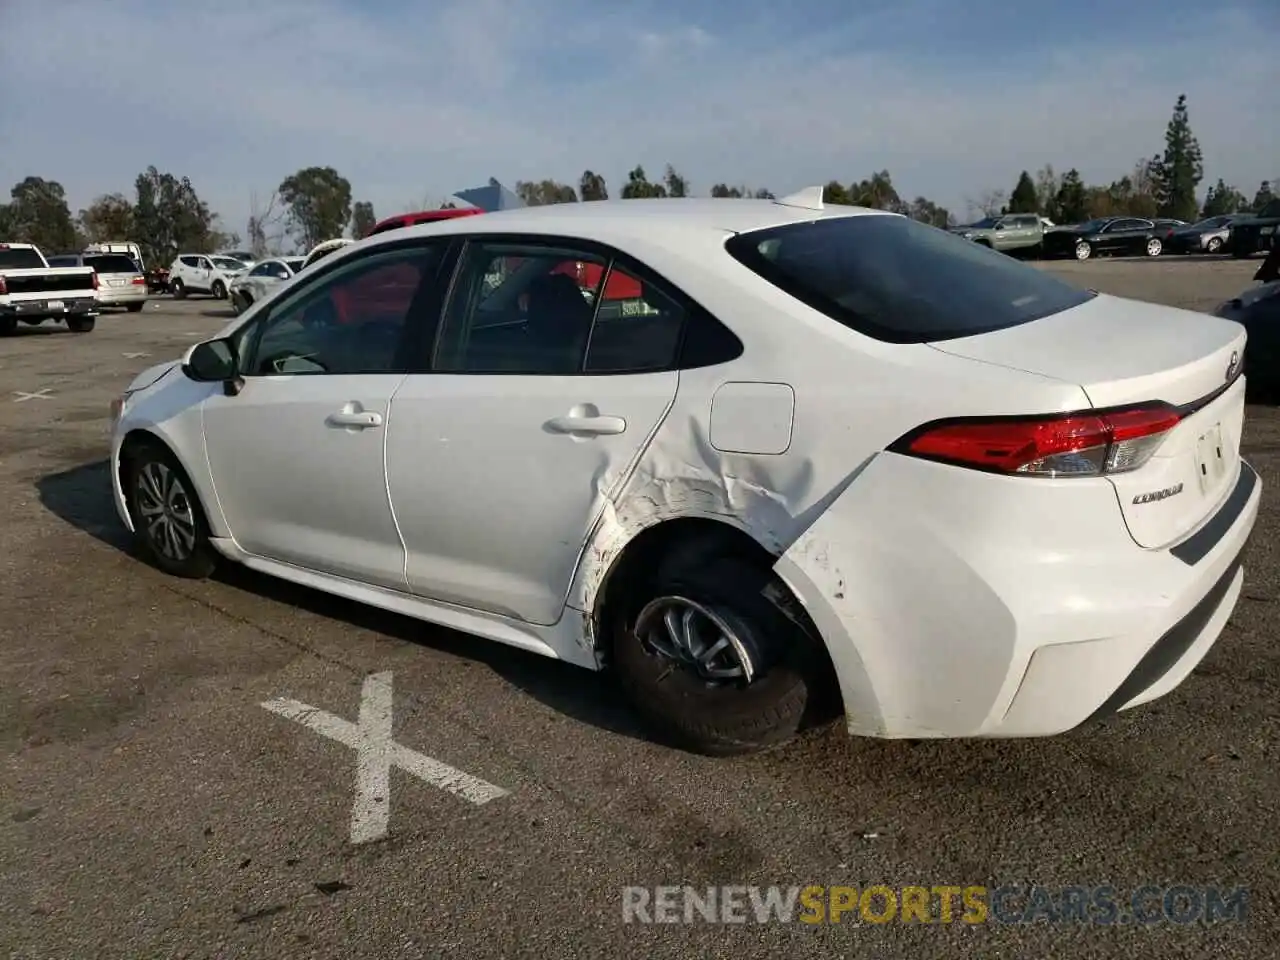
point(1222, 199)
point(1024, 198)
point(638, 186)
point(926, 211)
point(318, 201)
point(1071, 202)
point(38, 213)
point(1262, 197)
point(1179, 171)
point(878, 193)
point(677, 186)
point(592, 187)
point(723, 190)
point(1047, 185)
point(170, 218)
point(544, 192)
point(834, 192)
point(362, 219)
point(108, 218)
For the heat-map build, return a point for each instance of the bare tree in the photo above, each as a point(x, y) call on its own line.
point(266, 230)
point(992, 203)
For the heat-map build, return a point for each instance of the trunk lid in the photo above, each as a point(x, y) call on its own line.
point(1126, 351)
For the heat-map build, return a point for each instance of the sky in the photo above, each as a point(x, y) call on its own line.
point(412, 100)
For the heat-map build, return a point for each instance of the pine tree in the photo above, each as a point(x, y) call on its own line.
point(1263, 196)
point(1071, 201)
point(1024, 198)
point(1181, 168)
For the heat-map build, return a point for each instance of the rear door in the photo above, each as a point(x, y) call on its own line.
point(535, 409)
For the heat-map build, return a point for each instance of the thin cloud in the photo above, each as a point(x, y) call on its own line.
point(410, 99)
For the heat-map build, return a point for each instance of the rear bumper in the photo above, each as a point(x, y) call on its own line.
point(50, 308)
point(118, 296)
point(957, 604)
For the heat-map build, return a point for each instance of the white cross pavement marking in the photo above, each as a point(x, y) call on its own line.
point(376, 753)
point(21, 396)
point(135, 356)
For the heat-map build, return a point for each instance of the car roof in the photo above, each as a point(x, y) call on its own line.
point(604, 220)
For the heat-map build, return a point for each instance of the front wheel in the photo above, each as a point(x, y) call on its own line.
point(1084, 250)
point(169, 527)
point(1214, 245)
point(1154, 247)
point(707, 657)
point(134, 307)
point(219, 290)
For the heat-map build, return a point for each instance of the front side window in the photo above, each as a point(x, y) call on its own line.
point(351, 320)
point(264, 269)
point(900, 281)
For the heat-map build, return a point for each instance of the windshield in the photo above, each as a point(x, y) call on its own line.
point(226, 263)
point(20, 258)
point(901, 281)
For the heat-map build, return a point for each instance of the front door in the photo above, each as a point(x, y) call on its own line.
point(501, 459)
point(297, 455)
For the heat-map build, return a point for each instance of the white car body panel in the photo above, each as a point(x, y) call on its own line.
point(952, 602)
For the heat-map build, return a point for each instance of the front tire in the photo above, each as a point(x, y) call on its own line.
point(708, 659)
point(1214, 245)
point(170, 529)
point(8, 326)
point(219, 290)
point(1154, 247)
point(81, 324)
point(1084, 250)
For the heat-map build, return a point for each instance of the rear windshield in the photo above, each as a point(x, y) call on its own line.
point(901, 281)
point(111, 263)
point(295, 263)
point(20, 258)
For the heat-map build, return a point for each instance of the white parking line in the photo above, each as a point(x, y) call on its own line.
point(135, 356)
point(21, 396)
point(376, 753)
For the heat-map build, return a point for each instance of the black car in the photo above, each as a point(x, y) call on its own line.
point(1258, 310)
point(1124, 236)
point(1256, 234)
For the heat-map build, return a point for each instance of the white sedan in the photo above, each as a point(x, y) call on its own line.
point(760, 458)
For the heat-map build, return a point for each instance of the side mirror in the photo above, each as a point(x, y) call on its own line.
point(214, 361)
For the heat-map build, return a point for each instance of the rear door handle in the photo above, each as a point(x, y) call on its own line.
point(361, 420)
point(594, 426)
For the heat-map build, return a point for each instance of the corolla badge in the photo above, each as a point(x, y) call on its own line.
point(1233, 367)
point(1157, 495)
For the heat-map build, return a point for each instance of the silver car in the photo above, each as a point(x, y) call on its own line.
point(1206, 236)
point(261, 280)
point(121, 282)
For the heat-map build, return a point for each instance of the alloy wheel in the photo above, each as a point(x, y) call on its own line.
point(1154, 247)
point(166, 512)
point(1083, 251)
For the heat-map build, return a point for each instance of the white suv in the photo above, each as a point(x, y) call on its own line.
point(203, 273)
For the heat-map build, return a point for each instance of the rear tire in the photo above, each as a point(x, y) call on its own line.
point(81, 324)
point(179, 290)
point(134, 307)
point(8, 325)
point(170, 529)
point(724, 598)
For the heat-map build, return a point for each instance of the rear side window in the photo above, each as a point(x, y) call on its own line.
point(20, 258)
point(901, 281)
point(111, 263)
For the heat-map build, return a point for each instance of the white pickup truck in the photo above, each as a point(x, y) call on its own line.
point(32, 292)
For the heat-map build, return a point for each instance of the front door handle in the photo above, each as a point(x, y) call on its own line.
point(592, 426)
point(354, 419)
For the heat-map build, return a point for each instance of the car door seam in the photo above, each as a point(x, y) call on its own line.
point(386, 482)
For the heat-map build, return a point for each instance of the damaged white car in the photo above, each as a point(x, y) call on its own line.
point(759, 458)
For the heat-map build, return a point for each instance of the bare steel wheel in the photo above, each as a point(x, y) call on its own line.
point(694, 637)
point(169, 526)
point(1154, 247)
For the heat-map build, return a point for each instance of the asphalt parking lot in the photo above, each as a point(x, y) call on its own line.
point(153, 807)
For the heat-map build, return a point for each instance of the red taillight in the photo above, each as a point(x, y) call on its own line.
point(95, 280)
point(1086, 444)
point(138, 281)
point(4, 287)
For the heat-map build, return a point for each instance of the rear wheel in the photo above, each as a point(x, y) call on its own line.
point(179, 290)
point(81, 324)
point(1154, 247)
point(169, 526)
point(8, 325)
point(707, 657)
point(1084, 250)
point(135, 307)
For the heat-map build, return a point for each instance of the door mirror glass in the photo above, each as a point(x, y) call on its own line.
point(211, 362)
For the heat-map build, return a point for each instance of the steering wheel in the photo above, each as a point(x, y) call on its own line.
point(272, 363)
